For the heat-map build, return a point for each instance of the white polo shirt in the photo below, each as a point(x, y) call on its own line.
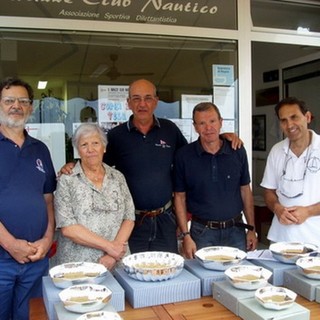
point(290, 176)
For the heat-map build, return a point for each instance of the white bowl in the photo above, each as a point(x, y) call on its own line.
point(219, 258)
point(83, 298)
point(100, 315)
point(247, 277)
point(309, 267)
point(153, 265)
point(275, 298)
point(72, 273)
point(290, 252)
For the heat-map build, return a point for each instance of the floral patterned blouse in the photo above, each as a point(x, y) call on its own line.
point(78, 201)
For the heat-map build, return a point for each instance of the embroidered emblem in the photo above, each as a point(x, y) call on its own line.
point(39, 165)
point(162, 144)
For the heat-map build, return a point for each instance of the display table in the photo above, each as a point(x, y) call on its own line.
point(205, 308)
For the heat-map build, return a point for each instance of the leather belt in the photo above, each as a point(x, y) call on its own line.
point(155, 212)
point(234, 222)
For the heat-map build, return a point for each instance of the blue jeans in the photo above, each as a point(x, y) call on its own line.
point(230, 237)
point(18, 284)
point(155, 234)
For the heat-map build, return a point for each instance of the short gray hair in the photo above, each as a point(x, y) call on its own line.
point(205, 106)
point(86, 129)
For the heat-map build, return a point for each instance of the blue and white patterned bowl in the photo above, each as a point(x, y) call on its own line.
point(153, 265)
point(73, 273)
point(248, 277)
point(290, 252)
point(309, 267)
point(219, 258)
point(275, 298)
point(84, 298)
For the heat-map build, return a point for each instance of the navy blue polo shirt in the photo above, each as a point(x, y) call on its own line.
point(211, 182)
point(145, 160)
point(26, 174)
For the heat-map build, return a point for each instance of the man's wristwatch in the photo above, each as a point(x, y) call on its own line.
point(182, 235)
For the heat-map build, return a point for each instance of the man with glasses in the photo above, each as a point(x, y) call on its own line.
point(27, 183)
point(292, 175)
point(142, 149)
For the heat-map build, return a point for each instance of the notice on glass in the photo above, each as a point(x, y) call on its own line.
point(188, 102)
point(186, 127)
point(224, 99)
point(222, 75)
point(228, 126)
point(112, 104)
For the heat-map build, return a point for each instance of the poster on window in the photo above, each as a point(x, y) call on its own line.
point(113, 108)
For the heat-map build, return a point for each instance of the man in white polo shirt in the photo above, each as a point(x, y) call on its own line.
point(292, 175)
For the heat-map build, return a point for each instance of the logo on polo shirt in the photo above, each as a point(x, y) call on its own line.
point(39, 165)
point(162, 144)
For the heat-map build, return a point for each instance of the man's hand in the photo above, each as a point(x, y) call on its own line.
point(236, 142)
point(43, 246)
point(66, 169)
point(189, 247)
point(252, 240)
point(21, 250)
point(299, 213)
point(286, 215)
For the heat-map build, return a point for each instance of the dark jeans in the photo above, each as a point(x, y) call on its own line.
point(155, 234)
point(18, 284)
point(230, 237)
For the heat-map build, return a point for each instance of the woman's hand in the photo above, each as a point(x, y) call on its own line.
point(108, 261)
point(117, 249)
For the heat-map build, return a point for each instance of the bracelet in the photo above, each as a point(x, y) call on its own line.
point(182, 235)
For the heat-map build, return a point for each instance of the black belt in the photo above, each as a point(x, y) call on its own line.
point(234, 222)
point(155, 212)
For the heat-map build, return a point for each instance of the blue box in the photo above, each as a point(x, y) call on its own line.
point(250, 309)
point(141, 294)
point(276, 267)
point(206, 276)
point(300, 284)
point(318, 294)
point(51, 294)
point(230, 296)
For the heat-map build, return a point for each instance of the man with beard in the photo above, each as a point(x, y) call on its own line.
point(27, 183)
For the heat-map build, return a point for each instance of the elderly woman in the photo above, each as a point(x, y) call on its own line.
point(93, 206)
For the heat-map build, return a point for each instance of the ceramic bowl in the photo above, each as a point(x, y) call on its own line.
point(219, 258)
point(247, 277)
point(275, 298)
point(153, 265)
point(84, 298)
point(100, 315)
point(309, 267)
point(290, 252)
point(69, 274)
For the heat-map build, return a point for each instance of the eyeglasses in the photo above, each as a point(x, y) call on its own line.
point(292, 180)
point(9, 101)
point(138, 99)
